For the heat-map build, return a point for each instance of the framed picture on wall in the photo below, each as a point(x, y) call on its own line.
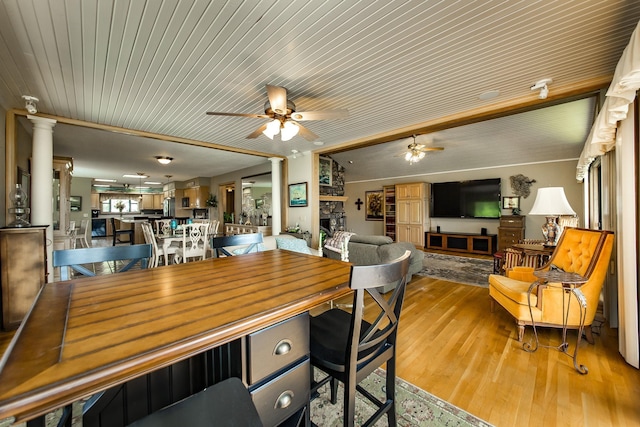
point(374, 205)
point(511, 202)
point(326, 171)
point(298, 195)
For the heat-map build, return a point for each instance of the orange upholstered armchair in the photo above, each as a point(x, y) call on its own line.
point(581, 251)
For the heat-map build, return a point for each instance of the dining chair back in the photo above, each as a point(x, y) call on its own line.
point(75, 258)
point(163, 227)
point(150, 238)
point(82, 236)
point(120, 232)
point(347, 348)
point(194, 242)
point(247, 242)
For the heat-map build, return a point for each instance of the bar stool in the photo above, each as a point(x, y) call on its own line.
point(227, 403)
point(117, 232)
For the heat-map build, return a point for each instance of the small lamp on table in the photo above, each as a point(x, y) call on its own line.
point(551, 202)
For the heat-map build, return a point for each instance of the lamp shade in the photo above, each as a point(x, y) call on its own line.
point(551, 201)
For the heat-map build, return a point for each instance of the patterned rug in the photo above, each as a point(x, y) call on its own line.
point(414, 406)
point(470, 271)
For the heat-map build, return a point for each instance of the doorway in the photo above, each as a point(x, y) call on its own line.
point(228, 198)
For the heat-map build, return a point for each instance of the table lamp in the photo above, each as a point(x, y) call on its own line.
point(551, 202)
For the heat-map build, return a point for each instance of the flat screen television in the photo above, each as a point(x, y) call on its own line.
point(466, 199)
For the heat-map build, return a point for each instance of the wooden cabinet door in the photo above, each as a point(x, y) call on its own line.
point(403, 212)
point(147, 201)
point(409, 191)
point(95, 201)
point(415, 212)
point(158, 201)
point(416, 236)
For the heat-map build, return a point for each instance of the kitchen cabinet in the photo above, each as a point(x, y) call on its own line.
point(411, 212)
point(197, 196)
point(95, 201)
point(152, 201)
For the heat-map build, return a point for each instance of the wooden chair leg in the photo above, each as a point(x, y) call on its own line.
point(520, 331)
point(588, 334)
point(391, 391)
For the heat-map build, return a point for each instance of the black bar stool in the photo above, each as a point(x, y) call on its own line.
point(119, 232)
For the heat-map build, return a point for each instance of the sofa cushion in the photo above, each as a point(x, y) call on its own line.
point(371, 240)
point(296, 245)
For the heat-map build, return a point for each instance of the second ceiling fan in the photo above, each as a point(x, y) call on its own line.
point(284, 117)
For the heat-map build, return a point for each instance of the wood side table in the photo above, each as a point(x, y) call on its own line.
point(570, 283)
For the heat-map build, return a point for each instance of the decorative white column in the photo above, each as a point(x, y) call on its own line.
point(42, 181)
point(276, 198)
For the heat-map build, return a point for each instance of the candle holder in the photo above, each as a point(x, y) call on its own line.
point(20, 210)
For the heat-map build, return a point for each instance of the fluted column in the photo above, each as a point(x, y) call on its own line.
point(276, 197)
point(41, 181)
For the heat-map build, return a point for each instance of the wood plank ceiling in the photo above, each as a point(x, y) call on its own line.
point(158, 66)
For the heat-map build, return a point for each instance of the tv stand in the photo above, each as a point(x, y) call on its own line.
point(462, 242)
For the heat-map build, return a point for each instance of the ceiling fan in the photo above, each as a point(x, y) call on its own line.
point(284, 117)
point(416, 152)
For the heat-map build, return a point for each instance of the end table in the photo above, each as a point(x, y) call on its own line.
point(570, 283)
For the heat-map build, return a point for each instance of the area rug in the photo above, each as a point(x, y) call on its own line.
point(414, 406)
point(470, 271)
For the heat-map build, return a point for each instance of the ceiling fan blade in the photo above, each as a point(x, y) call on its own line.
point(432, 149)
point(320, 115)
point(277, 99)
point(256, 133)
point(257, 116)
point(307, 134)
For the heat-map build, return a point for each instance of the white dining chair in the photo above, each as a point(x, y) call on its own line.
point(194, 243)
point(82, 236)
point(150, 238)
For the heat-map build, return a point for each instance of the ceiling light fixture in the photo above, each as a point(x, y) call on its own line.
point(288, 129)
point(541, 85)
point(164, 160)
point(140, 176)
point(143, 176)
point(30, 103)
point(415, 153)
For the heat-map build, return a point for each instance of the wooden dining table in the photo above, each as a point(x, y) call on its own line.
point(88, 334)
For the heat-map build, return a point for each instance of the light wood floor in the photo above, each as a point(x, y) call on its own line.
point(451, 345)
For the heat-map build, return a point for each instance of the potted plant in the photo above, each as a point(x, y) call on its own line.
point(120, 206)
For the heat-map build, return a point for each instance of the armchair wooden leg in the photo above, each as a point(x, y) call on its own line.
point(520, 331)
point(588, 334)
point(492, 304)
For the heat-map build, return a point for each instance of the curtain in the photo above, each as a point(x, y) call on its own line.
point(622, 92)
point(612, 129)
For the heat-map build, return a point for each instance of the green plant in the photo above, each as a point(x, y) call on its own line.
point(212, 201)
point(227, 217)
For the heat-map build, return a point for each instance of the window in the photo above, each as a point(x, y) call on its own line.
point(128, 205)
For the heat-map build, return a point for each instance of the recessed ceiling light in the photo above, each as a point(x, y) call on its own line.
point(489, 95)
point(318, 143)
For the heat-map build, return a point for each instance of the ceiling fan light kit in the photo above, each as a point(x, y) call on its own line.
point(417, 151)
point(284, 117)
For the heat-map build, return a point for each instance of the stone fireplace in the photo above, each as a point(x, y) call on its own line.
point(332, 199)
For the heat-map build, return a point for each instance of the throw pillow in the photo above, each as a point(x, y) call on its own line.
point(295, 245)
point(335, 242)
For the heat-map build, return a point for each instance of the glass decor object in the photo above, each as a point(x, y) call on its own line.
point(20, 207)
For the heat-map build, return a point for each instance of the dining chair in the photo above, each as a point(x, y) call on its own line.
point(227, 403)
point(75, 258)
point(246, 242)
point(151, 239)
point(163, 227)
point(194, 243)
point(347, 348)
point(83, 234)
point(119, 232)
